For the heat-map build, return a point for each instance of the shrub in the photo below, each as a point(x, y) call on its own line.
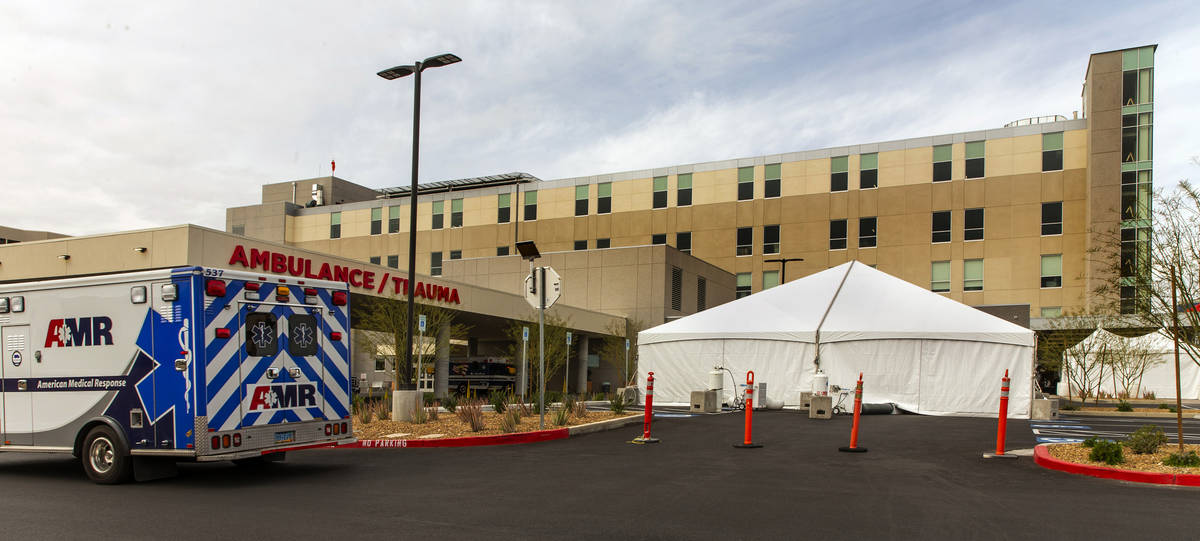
point(499, 401)
point(1164, 407)
point(420, 414)
point(1067, 406)
point(428, 398)
point(1124, 406)
point(1108, 452)
point(511, 421)
point(553, 396)
point(450, 402)
point(362, 410)
point(562, 416)
point(1123, 395)
point(471, 412)
point(1149, 395)
point(1091, 442)
point(1147, 439)
point(1188, 459)
point(383, 410)
point(568, 402)
point(1103, 395)
point(617, 404)
point(433, 410)
point(580, 410)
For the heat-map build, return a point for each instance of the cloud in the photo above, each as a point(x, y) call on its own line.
point(122, 115)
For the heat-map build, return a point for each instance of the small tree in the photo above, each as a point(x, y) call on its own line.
point(556, 345)
point(612, 348)
point(1132, 359)
point(388, 319)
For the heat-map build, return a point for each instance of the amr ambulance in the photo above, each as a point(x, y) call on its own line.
point(132, 372)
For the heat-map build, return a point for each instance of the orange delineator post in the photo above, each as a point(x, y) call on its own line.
point(854, 448)
point(748, 443)
point(1002, 424)
point(645, 437)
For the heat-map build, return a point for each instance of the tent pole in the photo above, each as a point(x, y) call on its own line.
point(817, 360)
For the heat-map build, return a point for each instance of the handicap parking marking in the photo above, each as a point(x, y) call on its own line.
point(1061, 427)
point(1048, 439)
point(675, 415)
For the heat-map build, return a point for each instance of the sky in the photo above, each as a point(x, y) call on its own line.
point(122, 115)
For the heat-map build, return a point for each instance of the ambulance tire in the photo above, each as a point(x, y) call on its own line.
point(105, 459)
point(461, 390)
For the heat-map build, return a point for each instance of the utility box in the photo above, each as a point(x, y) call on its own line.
point(705, 402)
point(821, 407)
point(805, 401)
point(1044, 409)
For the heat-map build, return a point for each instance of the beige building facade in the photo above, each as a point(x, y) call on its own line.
point(997, 216)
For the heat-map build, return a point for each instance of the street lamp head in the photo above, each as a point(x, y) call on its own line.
point(397, 72)
point(528, 250)
point(440, 60)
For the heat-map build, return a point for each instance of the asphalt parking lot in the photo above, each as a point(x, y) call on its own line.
point(923, 478)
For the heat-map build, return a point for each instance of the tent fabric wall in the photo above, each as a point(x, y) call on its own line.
point(917, 349)
point(1159, 377)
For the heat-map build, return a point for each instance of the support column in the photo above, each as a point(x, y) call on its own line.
point(580, 369)
point(441, 368)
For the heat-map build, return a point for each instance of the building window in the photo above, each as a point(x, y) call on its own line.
point(941, 162)
point(335, 225)
point(581, 244)
point(701, 293)
point(455, 254)
point(1052, 151)
point(602, 243)
point(1135, 256)
point(941, 226)
point(393, 261)
point(394, 219)
point(581, 200)
point(745, 241)
point(502, 250)
point(503, 202)
point(837, 234)
point(1136, 137)
point(381, 363)
point(770, 239)
point(660, 192)
point(1052, 218)
point(660, 238)
point(1052, 270)
point(838, 173)
point(770, 279)
point(435, 263)
point(604, 198)
point(683, 190)
point(1051, 311)
point(745, 183)
point(376, 220)
point(771, 180)
point(973, 224)
point(683, 242)
point(237, 229)
point(866, 232)
point(743, 285)
point(676, 288)
point(973, 275)
point(1136, 195)
point(939, 273)
point(531, 206)
point(868, 171)
point(1138, 76)
point(975, 159)
point(374, 260)
point(456, 212)
point(438, 219)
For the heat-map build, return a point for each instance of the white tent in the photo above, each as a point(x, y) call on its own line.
point(1160, 374)
point(922, 351)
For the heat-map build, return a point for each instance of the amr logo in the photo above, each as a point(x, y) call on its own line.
point(284, 396)
point(83, 331)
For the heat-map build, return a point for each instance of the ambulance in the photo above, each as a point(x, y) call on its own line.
point(133, 372)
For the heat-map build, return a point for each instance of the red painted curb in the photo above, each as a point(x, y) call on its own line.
point(468, 441)
point(1042, 457)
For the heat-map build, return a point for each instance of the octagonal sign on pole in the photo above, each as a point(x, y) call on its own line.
point(553, 288)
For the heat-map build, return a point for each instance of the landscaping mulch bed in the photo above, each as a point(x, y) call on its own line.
point(1078, 454)
point(450, 426)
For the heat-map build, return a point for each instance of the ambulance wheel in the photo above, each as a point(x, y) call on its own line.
point(461, 390)
point(105, 459)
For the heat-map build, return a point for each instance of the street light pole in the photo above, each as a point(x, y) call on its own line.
point(396, 73)
point(783, 261)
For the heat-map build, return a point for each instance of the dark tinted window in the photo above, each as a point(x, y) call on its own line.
point(941, 171)
point(581, 245)
point(1052, 160)
point(262, 338)
point(602, 243)
point(581, 207)
point(302, 335)
point(1052, 218)
point(868, 179)
point(745, 240)
point(660, 200)
point(975, 168)
point(838, 182)
point(837, 234)
point(745, 191)
point(973, 224)
point(502, 250)
point(502, 215)
point(866, 232)
point(770, 239)
point(771, 187)
point(660, 238)
point(941, 226)
point(683, 242)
